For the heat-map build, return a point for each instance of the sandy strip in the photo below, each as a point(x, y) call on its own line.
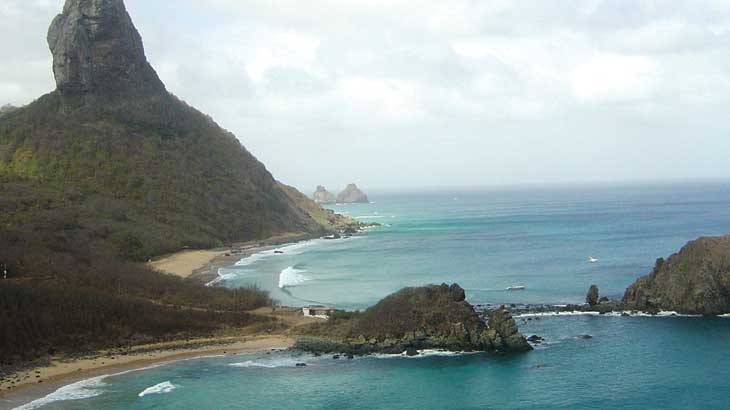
point(184, 263)
point(45, 379)
point(188, 262)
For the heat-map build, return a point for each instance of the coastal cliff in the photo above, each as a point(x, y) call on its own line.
point(696, 280)
point(352, 195)
point(112, 144)
point(323, 196)
point(431, 317)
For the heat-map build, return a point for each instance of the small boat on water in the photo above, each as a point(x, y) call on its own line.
point(514, 288)
point(591, 259)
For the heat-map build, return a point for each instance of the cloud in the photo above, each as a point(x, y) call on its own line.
point(401, 92)
point(610, 77)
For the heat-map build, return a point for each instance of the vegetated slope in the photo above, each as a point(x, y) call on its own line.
point(109, 169)
point(429, 317)
point(696, 280)
point(111, 130)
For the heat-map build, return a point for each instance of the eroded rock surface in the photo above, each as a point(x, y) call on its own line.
point(431, 317)
point(696, 280)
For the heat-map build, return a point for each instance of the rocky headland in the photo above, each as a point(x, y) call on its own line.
point(693, 281)
point(431, 317)
point(352, 195)
point(323, 196)
point(696, 280)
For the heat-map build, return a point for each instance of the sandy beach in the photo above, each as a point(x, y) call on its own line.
point(63, 371)
point(205, 262)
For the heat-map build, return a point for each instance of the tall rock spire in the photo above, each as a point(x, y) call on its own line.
point(98, 54)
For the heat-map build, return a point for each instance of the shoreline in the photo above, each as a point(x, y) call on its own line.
point(202, 265)
point(37, 382)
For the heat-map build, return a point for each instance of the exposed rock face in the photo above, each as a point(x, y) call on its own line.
point(323, 196)
point(352, 195)
point(592, 296)
point(98, 53)
point(694, 281)
point(113, 133)
point(432, 317)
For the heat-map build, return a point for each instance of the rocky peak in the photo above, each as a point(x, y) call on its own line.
point(352, 194)
point(323, 196)
point(98, 53)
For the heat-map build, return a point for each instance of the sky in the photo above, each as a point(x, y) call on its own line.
point(395, 93)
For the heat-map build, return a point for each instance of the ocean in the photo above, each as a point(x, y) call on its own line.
point(485, 240)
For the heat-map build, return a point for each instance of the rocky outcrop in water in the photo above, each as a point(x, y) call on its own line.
point(592, 296)
point(431, 317)
point(352, 195)
point(323, 196)
point(696, 280)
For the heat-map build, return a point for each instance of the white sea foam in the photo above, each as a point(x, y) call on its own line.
point(222, 276)
point(373, 216)
point(423, 354)
point(293, 249)
point(292, 276)
point(84, 389)
point(610, 314)
point(161, 388)
point(271, 362)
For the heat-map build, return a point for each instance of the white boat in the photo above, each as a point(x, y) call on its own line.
point(591, 259)
point(513, 288)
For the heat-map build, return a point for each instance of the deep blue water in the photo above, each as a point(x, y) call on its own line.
point(486, 241)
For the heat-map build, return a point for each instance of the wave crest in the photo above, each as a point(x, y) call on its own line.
point(292, 276)
point(161, 388)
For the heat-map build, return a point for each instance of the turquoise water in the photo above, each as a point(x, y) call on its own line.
point(490, 240)
point(486, 241)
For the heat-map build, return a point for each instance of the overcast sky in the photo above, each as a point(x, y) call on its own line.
point(392, 93)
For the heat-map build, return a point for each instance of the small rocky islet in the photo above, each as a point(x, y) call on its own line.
point(430, 317)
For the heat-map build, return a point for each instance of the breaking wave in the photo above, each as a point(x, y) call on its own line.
point(161, 388)
point(292, 276)
point(84, 389)
point(293, 249)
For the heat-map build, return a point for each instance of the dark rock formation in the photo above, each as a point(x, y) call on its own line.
point(592, 296)
point(432, 317)
point(98, 54)
point(352, 195)
point(323, 196)
point(168, 173)
point(694, 281)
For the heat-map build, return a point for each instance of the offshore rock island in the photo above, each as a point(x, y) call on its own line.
point(323, 196)
point(352, 195)
point(430, 317)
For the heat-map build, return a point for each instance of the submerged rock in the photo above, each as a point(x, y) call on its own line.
point(696, 280)
point(323, 196)
point(351, 195)
point(431, 317)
